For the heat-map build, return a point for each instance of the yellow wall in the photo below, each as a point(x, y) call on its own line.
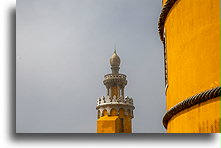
point(114, 91)
point(201, 118)
point(112, 123)
point(193, 55)
point(107, 124)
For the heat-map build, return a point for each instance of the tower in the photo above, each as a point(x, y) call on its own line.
point(115, 111)
point(189, 30)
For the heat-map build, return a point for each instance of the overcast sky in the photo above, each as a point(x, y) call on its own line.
point(63, 52)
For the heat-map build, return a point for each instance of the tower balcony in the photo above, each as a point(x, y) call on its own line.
point(115, 76)
point(113, 79)
point(108, 103)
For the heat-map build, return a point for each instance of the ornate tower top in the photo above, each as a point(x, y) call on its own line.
point(115, 63)
point(115, 99)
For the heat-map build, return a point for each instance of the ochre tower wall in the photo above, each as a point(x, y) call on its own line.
point(114, 91)
point(113, 123)
point(193, 63)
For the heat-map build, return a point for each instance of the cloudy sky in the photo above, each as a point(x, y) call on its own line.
point(63, 51)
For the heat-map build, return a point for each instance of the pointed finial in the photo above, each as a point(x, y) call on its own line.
point(115, 48)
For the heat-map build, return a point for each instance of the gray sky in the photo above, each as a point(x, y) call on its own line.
point(63, 51)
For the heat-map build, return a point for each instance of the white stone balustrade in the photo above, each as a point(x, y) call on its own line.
point(114, 99)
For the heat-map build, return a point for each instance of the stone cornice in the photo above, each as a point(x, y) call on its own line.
point(112, 104)
point(196, 99)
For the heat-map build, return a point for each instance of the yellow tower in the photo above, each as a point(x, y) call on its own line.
point(115, 111)
point(189, 30)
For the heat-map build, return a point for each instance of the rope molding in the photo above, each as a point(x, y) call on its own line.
point(191, 101)
point(166, 9)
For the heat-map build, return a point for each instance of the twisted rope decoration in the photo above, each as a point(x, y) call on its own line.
point(166, 9)
point(201, 97)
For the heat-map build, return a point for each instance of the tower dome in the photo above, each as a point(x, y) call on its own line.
point(115, 60)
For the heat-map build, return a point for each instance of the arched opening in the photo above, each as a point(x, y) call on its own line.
point(98, 114)
point(113, 112)
point(121, 112)
point(104, 113)
point(129, 112)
